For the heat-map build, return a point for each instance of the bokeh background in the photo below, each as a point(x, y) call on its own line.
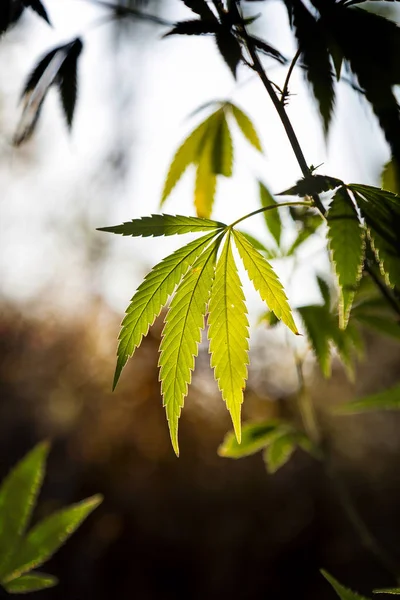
point(201, 526)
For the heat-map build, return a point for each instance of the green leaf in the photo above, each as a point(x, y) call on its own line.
point(346, 242)
point(381, 211)
point(272, 217)
point(279, 451)
point(222, 153)
point(206, 180)
point(246, 126)
point(343, 592)
point(182, 334)
point(186, 154)
point(157, 225)
point(228, 334)
point(255, 436)
point(325, 291)
point(270, 254)
point(392, 591)
point(383, 325)
point(18, 495)
point(265, 280)
point(47, 536)
point(32, 582)
point(386, 400)
point(152, 295)
point(318, 327)
point(390, 177)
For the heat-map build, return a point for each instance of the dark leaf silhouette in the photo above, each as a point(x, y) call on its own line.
point(267, 49)
point(312, 43)
point(38, 7)
point(194, 27)
point(201, 8)
point(314, 184)
point(10, 13)
point(57, 67)
point(229, 48)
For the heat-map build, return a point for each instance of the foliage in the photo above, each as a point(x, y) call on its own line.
point(22, 550)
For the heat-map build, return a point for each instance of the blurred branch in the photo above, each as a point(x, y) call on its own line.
point(126, 11)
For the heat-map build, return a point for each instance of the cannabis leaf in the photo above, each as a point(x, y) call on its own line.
point(182, 334)
point(152, 295)
point(201, 8)
point(156, 225)
point(228, 333)
point(272, 217)
point(58, 67)
point(381, 211)
point(255, 437)
point(265, 280)
point(20, 552)
point(246, 126)
point(206, 179)
point(313, 184)
point(343, 592)
point(279, 451)
point(386, 400)
point(229, 48)
point(392, 591)
point(390, 177)
point(38, 7)
point(346, 242)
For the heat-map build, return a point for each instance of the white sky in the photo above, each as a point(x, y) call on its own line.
point(55, 187)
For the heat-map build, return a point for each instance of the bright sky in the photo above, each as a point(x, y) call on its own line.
point(57, 188)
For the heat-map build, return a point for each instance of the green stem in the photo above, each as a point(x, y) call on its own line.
point(271, 207)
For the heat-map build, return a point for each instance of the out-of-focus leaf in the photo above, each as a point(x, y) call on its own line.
point(194, 27)
point(268, 49)
point(48, 536)
point(246, 126)
point(318, 327)
point(391, 177)
point(33, 582)
point(325, 291)
point(383, 325)
point(222, 152)
point(386, 400)
point(201, 8)
point(228, 334)
point(67, 80)
point(279, 451)
point(38, 7)
point(343, 592)
point(392, 591)
point(272, 217)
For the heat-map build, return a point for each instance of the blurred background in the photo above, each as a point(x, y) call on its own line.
point(201, 526)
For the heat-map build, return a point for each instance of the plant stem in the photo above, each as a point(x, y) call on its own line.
point(272, 207)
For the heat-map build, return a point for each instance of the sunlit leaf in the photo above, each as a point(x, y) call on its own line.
point(255, 436)
point(156, 225)
point(222, 153)
point(48, 535)
point(18, 494)
point(246, 126)
point(346, 242)
point(32, 582)
point(279, 451)
point(182, 334)
point(152, 295)
point(228, 334)
point(206, 181)
point(270, 254)
point(343, 592)
point(272, 217)
point(265, 280)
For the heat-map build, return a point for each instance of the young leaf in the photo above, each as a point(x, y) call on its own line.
point(194, 27)
point(152, 295)
point(32, 582)
point(343, 592)
point(229, 48)
point(246, 126)
point(18, 495)
point(386, 400)
point(157, 225)
point(279, 451)
point(265, 280)
point(186, 154)
point(206, 181)
point(346, 242)
point(182, 334)
point(228, 334)
point(312, 43)
point(272, 217)
point(48, 536)
point(222, 152)
point(255, 436)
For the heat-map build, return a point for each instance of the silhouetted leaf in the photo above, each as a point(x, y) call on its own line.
point(194, 27)
point(229, 48)
point(267, 49)
point(315, 56)
point(314, 184)
point(201, 8)
point(67, 80)
point(38, 7)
